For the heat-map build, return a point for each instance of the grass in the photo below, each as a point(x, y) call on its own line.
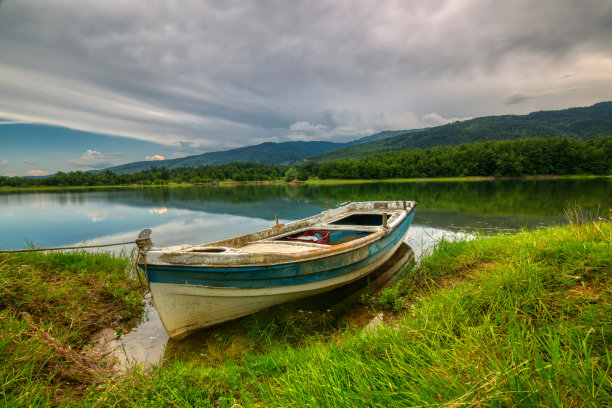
point(230, 183)
point(50, 305)
point(509, 320)
point(222, 183)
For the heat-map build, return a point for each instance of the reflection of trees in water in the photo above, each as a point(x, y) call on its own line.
point(249, 201)
point(503, 198)
point(509, 197)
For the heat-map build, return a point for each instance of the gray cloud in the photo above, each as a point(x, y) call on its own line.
point(219, 74)
point(517, 97)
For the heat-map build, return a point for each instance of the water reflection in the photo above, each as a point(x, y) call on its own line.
point(64, 218)
point(160, 210)
point(422, 239)
point(144, 344)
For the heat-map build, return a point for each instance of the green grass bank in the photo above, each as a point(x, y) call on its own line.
point(50, 306)
point(508, 320)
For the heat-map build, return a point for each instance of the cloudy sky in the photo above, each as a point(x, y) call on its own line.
point(173, 78)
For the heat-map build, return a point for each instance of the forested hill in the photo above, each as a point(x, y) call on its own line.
point(382, 135)
point(513, 158)
point(266, 153)
point(581, 123)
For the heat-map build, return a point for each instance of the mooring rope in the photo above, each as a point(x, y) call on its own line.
point(10, 251)
point(143, 244)
point(140, 242)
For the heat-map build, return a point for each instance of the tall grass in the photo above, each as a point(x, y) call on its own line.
point(509, 320)
point(50, 305)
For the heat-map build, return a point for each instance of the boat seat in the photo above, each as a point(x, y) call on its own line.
point(282, 247)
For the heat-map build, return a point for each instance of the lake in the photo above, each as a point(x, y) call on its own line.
point(202, 214)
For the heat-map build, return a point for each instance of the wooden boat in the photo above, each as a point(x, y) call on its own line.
point(197, 286)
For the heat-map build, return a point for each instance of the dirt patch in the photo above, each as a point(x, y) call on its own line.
point(102, 344)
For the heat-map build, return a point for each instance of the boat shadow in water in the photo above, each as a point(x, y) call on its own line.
point(294, 322)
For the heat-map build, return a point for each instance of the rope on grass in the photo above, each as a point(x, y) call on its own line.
point(140, 242)
point(143, 242)
point(11, 251)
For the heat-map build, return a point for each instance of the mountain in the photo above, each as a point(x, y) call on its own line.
point(382, 135)
point(267, 153)
point(583, 123)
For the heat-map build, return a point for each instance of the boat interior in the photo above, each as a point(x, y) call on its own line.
point(342, 230)
point(315, 236)
point(323, 235)
point(331, 228)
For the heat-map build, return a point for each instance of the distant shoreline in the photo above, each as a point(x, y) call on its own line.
point(454, 179)
point(231, 183)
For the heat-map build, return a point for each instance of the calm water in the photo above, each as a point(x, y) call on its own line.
point(203, 214)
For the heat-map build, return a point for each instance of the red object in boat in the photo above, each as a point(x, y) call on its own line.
point(316, 237)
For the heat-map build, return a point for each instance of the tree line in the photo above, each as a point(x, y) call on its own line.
point(554, 156)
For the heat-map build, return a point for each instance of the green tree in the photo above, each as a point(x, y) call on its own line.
point(291, 174)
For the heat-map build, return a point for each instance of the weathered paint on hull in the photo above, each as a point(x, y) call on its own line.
point(186, 308)
point(191, 297)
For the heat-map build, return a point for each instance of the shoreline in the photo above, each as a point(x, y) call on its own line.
point(313, 182)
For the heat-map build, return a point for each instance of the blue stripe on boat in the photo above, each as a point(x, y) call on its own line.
point(252, 277)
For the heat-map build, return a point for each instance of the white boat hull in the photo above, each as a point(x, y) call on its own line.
point(195, 287)
point(185, 308)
